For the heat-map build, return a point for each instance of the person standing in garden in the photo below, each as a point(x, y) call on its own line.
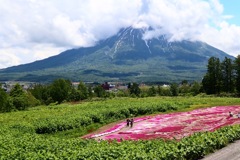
point(230, 114)
point(128, 121)
point(131, 122)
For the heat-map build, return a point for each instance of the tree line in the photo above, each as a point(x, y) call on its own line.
point(221, 78)
point(62, 90)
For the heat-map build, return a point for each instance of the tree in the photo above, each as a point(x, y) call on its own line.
point(152, 91)
point(237, 68)
point(163, 91)
point(16, 91)
point(134, 89)
point(213, 78)
point(99, 91)
point(41, 92)
point(227, 75)
point(83, 91)
point(184, 82)
point(4, 107)
point(184, 87)
point(19, 97)
point(195, 88)
point(60, 90)
point(74, 95)
point(90, 92)
point(174, 89)
point(159, 90)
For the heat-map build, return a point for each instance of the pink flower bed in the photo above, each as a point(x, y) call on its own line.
point(173, 125)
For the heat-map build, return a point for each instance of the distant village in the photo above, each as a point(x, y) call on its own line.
point(108, 86)
point(7, 86)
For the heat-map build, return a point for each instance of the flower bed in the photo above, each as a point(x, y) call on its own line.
point(173, 125)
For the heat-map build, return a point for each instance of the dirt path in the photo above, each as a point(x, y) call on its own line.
point(125, 128)
point(231, 152)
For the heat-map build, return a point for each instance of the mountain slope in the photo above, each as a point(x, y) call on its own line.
point(125, 56)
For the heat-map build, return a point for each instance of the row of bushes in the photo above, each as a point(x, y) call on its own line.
point(55, 124)
point(32, 146)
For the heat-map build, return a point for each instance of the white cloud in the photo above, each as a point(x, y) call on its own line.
point(226, 37)
point(32, 29)
point(8, 58)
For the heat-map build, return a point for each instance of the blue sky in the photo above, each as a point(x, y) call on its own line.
point(43, 28)
point(232, 7)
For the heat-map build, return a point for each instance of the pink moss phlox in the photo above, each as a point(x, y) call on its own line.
point(174, 125)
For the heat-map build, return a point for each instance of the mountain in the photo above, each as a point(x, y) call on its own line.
point(125, 56)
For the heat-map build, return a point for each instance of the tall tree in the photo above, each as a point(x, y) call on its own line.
point(19, 97)
point(60, 90)
point(212, 81)
point(159, 90)
point(227, 75)
point(237, 68)
point(83, 91)
point(174, 89)
point(3, 100)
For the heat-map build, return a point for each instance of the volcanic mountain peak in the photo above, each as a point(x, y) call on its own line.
point(132, 39)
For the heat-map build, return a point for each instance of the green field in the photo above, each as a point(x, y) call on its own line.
point(52, 132)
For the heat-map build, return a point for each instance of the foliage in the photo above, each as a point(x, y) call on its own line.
point(134, 89)
point(16, 90)
point(174, 89)
point(83, 91)
point(191, 148)
point(60, 89)
point(195, 88)
point(213, 78)
point(4, 98)
point(20, 99)
point(163, 91)
point(152, 91)
point(100, 92)
point(227, 75)
point(237, 68)
point(184, 88)
point(41, 92)
point(32, 101)
point(221, 76)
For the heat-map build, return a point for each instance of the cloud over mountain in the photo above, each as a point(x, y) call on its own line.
point(33, 29)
